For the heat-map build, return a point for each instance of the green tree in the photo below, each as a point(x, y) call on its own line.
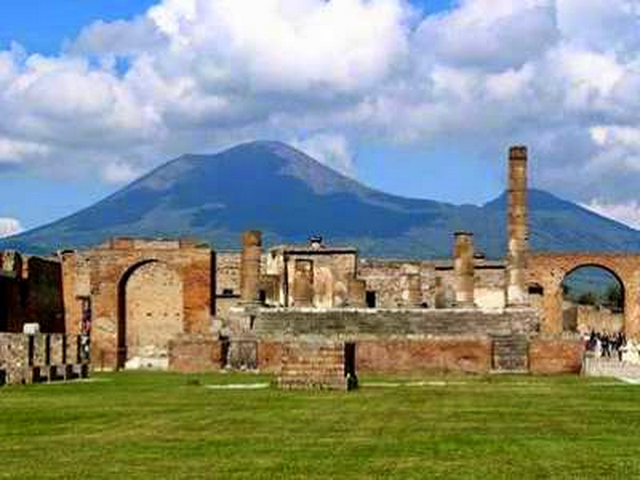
point(614, 298)
point(588, 298)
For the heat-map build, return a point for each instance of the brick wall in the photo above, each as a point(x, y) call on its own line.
point(190, 353)
point(315, 364)
point(114, 263)
point(470, 355)
point(551, 355)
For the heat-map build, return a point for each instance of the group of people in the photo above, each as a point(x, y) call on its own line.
point(607, 344)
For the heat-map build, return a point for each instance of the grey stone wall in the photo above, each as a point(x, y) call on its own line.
point(388, 323)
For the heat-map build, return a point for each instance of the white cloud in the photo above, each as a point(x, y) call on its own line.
point(9, 226)
point(119, 173)
point(195, 75)
point(330, 149)
point(627, 213)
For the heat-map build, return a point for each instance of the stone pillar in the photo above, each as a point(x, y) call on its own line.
point(518, 236)
point(250, 267)
point(357, 293)
point(414, 290)
point(303, 283)
point(464, 269)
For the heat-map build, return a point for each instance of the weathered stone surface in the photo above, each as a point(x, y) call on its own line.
point(312, 364)
point(303, 291)
point(250, 266)
point(389, 322)
point(548, 270)
point(193, 353)
point(464, 354)
point(32, 358)
point(30, 292)
point(166, 264)
point(551, 355)
point(597, 366)
point(518, 235)
point(464, 266)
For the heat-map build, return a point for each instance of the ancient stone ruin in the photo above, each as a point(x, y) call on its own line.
point(315, 315)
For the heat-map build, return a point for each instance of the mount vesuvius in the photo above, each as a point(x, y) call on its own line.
point(288, 195)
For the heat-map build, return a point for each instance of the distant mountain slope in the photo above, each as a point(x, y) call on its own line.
point(288, 195)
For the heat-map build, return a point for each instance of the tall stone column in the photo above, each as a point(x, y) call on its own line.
point(518, 235)
point(250, 267)
point(414, 290)
point(464, 268)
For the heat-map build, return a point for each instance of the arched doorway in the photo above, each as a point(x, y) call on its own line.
point(592, 300)
point(150, 313)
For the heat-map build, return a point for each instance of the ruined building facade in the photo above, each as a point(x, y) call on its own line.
point(312, 312)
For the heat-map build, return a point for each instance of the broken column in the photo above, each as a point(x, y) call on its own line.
point(517, 227)
point(303, 283)
point(250, 266)
point(464, 268)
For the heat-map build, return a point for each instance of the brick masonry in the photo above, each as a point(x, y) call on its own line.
point(552, 355)
point(193, 353)
point(108, 269)
point(312, 364)
point(470, 355)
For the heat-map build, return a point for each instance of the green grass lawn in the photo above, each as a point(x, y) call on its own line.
point(145, 425)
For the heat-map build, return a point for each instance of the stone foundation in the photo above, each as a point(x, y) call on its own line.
point(40, 358)
point(596, 366)
point(553, 355)
point(312, 364)
point(469, 355)
point(195, 354)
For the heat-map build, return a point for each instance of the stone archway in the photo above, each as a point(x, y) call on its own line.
point(548, 271)
point(587, 306)
point(150, 313)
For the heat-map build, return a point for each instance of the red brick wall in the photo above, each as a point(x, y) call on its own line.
point(427, 355)
point(269, 356)
point(194, 354)
point(312, 364)
point(549, 356)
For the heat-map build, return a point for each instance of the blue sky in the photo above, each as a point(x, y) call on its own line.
point(430, 113)
point(43, 26)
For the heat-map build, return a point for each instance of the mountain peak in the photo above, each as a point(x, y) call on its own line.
point(271, 186)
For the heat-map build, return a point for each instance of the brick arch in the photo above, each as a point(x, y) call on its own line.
point(550, 269)
point(124, 323)
point(113, 263)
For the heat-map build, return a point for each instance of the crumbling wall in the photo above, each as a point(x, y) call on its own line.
point(30, 292)
point(40, 358)
point(556, 354)
point(387, 323)
point(76, 286)
point(414, 355)
point(44, 303)
point(391, 340)
point(332, 271)
point(111, 265)
point(390, 280)
point(312, 364)
point(193, 353)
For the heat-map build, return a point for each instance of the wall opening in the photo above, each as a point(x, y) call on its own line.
point(150, 314)
point(350, 365)
point(370, 298)
point(592, 300)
